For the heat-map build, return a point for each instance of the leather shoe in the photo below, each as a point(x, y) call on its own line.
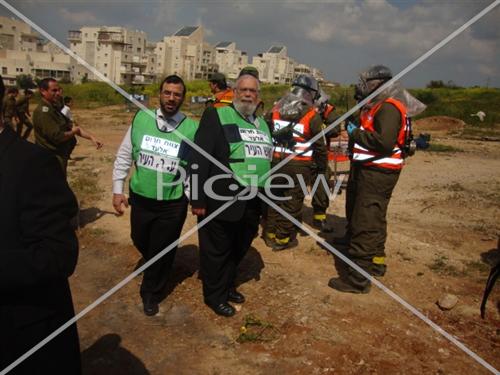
point(224, 309)
point(150, 308)
point(235, 296)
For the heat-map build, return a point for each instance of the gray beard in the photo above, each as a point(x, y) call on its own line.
point(246, 109)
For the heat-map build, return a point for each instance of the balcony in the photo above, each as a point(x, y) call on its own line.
point(110, 37)
point(75, 36)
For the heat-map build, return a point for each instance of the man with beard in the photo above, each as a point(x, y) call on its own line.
point(241, 142)
point(51, 128)
point(155, 145)
point(38, 252)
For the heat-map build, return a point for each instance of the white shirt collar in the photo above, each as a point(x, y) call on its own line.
point(168, 124)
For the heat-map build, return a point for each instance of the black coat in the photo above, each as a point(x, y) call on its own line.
point(211, 138)
point(38, 252)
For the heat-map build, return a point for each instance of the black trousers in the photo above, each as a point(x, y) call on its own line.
point(154, 226)
point(223, 244)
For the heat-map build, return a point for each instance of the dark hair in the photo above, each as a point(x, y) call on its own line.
point(44, 83)
point(221, 84)
point(28, 92)
point(12, 90)
point(176, 80)
point(67, 99)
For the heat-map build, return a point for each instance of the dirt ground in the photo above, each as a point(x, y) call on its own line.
point(443, 226)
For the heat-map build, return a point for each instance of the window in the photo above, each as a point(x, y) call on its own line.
point(105, 74)
point(138, 49)
point(4, 70)
point(105, 65)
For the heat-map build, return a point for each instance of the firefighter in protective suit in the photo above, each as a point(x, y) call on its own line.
point(378, 147)
point(294, 121)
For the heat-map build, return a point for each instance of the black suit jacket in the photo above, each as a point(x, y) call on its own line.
point(38, 252)
point(210, 137)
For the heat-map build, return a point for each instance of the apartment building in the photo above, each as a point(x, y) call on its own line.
point(182, 53)
point(24, 51)
point(122, 55)
point(229, 59)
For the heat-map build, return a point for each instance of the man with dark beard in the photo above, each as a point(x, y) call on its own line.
point(157, 197)
point(241, 142)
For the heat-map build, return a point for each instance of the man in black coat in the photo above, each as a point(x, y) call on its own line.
point(38, 252)
point(226, 238)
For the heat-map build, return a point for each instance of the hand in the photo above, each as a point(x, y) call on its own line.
point(198, 211)
point(98, 144)
point(120, 202)
point(350, 127)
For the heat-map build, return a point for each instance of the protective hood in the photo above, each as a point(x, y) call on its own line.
point(395, 91)
point(294, 104)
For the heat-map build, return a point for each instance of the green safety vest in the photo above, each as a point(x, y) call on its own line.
point(157, 156)
point(250, 147)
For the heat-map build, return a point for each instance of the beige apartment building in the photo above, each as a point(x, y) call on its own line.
point(23, 51)
point(229, 59)
point(124, 56)
point(183, 53)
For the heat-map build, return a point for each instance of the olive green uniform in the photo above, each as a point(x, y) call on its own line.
point(22, 109)
point(369, 191)
point(9, 111)
point(50, 126)
point(321, 196)
point(279, 227)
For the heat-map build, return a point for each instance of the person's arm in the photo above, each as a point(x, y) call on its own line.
point(320, 152)
point(49, 246)
point(88, 135)
point(122, 165)
point(386, 125)
point(209, 131)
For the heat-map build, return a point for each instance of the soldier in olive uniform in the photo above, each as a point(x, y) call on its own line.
point(9, 107)
point(294, 121)
point(52, 130)
point(321, 196)
point(377, 160)
point(23, 114)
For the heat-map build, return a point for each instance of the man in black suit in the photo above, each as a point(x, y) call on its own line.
point(38, 252)
point(242, 142)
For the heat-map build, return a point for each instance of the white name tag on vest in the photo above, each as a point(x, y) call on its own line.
point(157, 163)
point(160, 146)
point(257, 150)
point(280, 124)
point(254, 135)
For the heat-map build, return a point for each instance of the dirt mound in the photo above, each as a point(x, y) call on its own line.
point(438, 123)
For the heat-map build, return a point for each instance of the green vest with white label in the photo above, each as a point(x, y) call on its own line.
point(250, 147)
point(160, 157)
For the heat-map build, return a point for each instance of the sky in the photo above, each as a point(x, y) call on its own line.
point(342, 38)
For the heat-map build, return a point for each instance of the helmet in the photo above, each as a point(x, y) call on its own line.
point(377, 72)
point(374, 73)
point(307, 82)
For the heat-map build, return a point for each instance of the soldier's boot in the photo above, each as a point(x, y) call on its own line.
point(269, 239)
point(345, 286)
point(378, 267)
point(280, 244)
point(320, 222)
point(352, 281)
